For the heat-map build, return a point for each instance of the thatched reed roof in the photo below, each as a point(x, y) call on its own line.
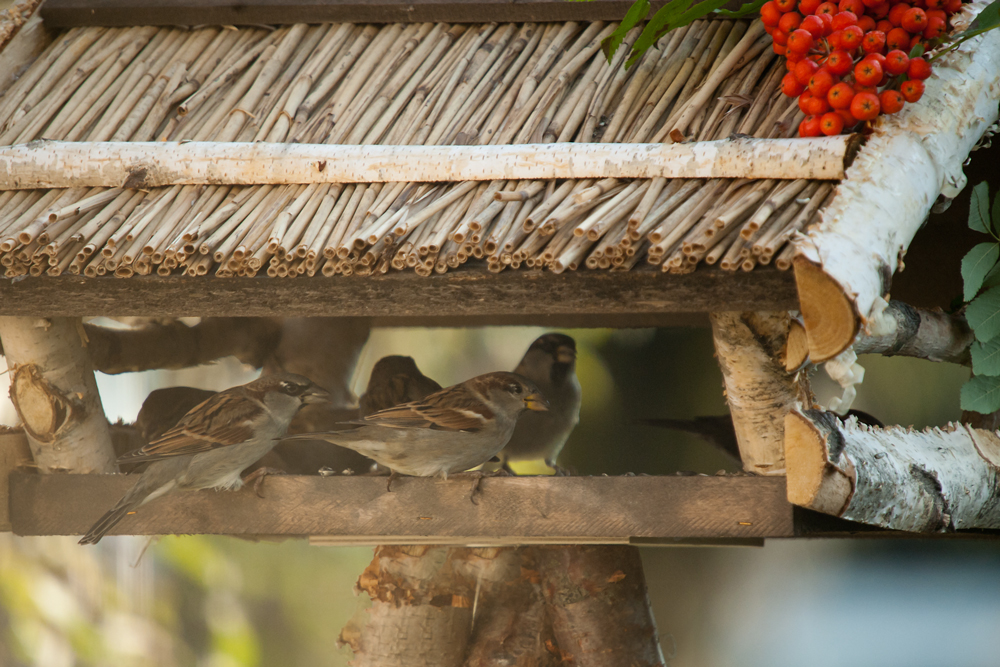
point(399, 84)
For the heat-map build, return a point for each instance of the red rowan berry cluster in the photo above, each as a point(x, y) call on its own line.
point(849, 62)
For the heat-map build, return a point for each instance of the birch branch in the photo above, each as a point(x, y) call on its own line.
point(54, 164)
point(843, 266)
point(933, 480)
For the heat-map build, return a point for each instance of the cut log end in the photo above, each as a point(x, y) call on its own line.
point(796, 353)
point(813, 481)
point(831, 321)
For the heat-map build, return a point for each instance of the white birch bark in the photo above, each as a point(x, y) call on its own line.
point(933, 480)
point(55, 164)
point(844, 264)
point(54, 391)
point(758, 389)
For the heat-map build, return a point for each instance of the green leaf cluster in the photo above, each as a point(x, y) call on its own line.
point(674, 14)
point(981, 289)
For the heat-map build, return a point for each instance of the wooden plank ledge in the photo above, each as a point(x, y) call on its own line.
point(520, 510)
point(467, 292)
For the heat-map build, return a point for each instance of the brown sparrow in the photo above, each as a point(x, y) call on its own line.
point(163, 408)
point(214, 442)
point(449, 431)
point(395, 379)
point(550, 363)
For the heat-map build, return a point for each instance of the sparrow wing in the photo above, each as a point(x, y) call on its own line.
point(223, 420)
point(451, 409)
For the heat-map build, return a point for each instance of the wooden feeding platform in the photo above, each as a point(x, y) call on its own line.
point(426, 181)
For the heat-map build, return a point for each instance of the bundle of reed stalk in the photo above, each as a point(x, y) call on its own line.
point(403, 84)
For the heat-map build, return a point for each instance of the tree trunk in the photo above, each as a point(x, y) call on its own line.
point(64, 164)
point(55, 394)
point(843, 265)
point(933, 480)
point(758, 388)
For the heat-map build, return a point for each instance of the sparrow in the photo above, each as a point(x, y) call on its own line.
point(214, 442)
point(446, 432)
point(163, 408)
point(550, 363)
point(395, 379)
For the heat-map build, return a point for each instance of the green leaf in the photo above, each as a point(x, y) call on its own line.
point(749, 8)
point(637, 12)
point(981, 394)
point(917, 50)
point(658, 25)
point(992, 278)
point(983, 315)
point(987, 19)
point(986, 357)
point(976, 265)
point(979, 208)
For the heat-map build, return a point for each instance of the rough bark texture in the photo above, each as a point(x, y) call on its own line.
point(903, 330)
point(64, 164)
point(599, 607)
point(843, 265)
point(760, 392)
point(55, 394)
point(927, 481)
point(21, 41)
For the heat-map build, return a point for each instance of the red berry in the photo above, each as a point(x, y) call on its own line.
point(831, 123)
point(891, 101)
point(790, 85)
point(792, 59)
point(918, 69)
point(809, 127)
point(871, 3)
point(844, 19)
point(874, 41)
point(804, 71)
point(785, 5)
point(849, 120)
point(817, 106)
point(934, 4)
point(912, 90)
point(803, 100)
point(834, 39)
point(952, 6)
point(856, 7)
point(790, 21)
point(840, 96)
point(896, 13)
point(770, 14)
point(827, 8)
point(827, 20)
point(936, 27)
point(867, 72)
point(807, 7)
point(884, 26)
point(880, 11)
point(896, 62)
point(897, 38)
point(915, 41)
point(865, 106)
point(780, 37)
point(876, 56)
point(814, 25)
point(866, 23)
point(851, 38)
point(914, 20)
point(858, 88)
point(800, 41)
point(821, 82)
point(839, 63)
point(779, 49)
point(940, 13)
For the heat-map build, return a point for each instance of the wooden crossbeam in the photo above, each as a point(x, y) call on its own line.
point(530, 296)
point(359, 510)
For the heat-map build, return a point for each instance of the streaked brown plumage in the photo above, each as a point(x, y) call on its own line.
point(395, 379)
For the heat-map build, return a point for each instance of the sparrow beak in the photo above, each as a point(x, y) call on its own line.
point(565, 355)
point(315, 394)
point(536, 402)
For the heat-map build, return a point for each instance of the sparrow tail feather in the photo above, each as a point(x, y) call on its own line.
point(109, 521)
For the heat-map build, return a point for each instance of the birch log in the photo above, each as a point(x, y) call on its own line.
point(934, 480)
point(844, 264)
point(55, 394)
point(56, 164)
point(758, 389)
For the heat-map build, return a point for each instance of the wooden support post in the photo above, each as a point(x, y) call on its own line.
point(934, 480)
point(758, 389)
point(55, 394)
point(14, 454)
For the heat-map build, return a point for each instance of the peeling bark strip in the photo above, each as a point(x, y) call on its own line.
point(55, 394)
point(933, 480)
point(906, 331)
point(843, 265)
point(599, 607)
point(758, 389)
point(63, 164)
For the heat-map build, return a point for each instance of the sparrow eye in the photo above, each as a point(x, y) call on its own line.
point(291, 388)
point(514, 389)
